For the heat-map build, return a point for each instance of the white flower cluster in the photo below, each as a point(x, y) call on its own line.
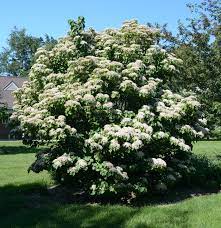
point(65, 48)
point(191, 131)
point(39, 71)
point(81, 164)
point(117, 170)
point(65, 159)
point(131, 137)
point(179, 143)
point(202, 121)
point(161, 135)
point(158, 163)
point(174, 106)
point(167, 62)
point(51, 97)
point(149, 88)
point(135, 71)
point(128, 85)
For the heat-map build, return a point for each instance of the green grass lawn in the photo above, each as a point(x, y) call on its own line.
point(210, 149)
point(24, 201)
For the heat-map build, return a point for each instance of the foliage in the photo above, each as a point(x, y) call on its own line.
point(216, 132)
point(100, 100)
point(17, 58)
point(198, 44)
point(3, 112)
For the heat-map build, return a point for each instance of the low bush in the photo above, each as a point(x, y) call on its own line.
point(216, 133)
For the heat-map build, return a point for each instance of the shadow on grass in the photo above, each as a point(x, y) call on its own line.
point(18, 150)
point(31, 206)
point(218, 156)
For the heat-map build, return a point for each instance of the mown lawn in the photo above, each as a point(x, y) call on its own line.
point(210, 149)
point(24, 201)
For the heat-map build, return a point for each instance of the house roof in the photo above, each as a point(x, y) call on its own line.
point(7, 86)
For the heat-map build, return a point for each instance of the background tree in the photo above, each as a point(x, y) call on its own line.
point(198, 44)
point(17, 58)
point(200, 48)
point(3, 112)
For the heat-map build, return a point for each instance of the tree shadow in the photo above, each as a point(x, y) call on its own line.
point(30, 205)
point(33, 205)
point(18, 149)
point(218, 156)
point(174, 196)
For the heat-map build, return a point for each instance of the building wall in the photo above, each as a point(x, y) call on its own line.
point(4, 126)
point(4, 131)
point(7, 86)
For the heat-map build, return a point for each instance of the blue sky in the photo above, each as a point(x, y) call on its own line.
point(50, 16)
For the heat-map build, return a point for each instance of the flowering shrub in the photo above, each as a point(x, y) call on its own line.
point(100, 101)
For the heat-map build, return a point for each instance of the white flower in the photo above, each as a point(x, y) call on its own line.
point(161, 135)
point(128, 85)
point(93, 187)
point(72, 170)
point(72, 103)
point(127, 145)
point(172, 67)
point(150, 87)
point(140, 115)
point(158, 163)
point(114, 145)
point(104, 140)
point(115, 94)
point(81, 163)
point(108, 105)
point(137, 144)
point(124, 175)
point(108, 164)
point(203, 121)
point(88, 98)
point(126, 120)
point(180, 143)
point(62, 160)
point(102, 97)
